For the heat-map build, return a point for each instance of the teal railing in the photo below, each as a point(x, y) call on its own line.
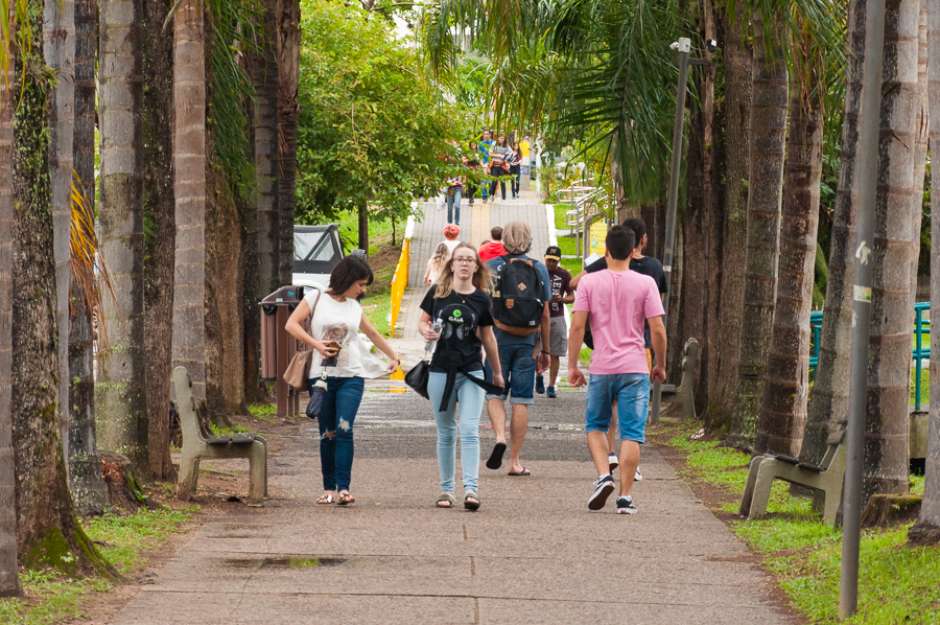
point(919, 353)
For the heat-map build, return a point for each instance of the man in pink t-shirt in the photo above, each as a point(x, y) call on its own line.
point(617, 301)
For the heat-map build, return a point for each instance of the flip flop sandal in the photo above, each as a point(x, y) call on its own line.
point(496, 457)
point(345, 499)
point(445, 500)
point(523, 473)
point(325, 500)
point(471, 502)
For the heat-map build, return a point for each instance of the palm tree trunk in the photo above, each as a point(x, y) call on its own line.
point(768, 132)
point(190, 190)
point(783, 410)
point(829, 401)
point(85, 481)
point(45, 519)
point(927, 528)
point(59, 52)
point(9, 581)
point(887, 426)
point(266, 154)
point(159, 207)
point(737, 112)
point(120, 399)
point(921, 132)
point(288, 65)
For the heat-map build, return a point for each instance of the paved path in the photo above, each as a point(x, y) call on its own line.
point(532, 555)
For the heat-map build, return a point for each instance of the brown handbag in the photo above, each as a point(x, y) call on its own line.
point(298, 369)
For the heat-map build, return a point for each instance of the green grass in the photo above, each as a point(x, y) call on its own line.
point(924, 387)
point(263, 412)
point(380, 232)
point(376, 308)
point(561, 218)
point(50, 597)
point(897, 583)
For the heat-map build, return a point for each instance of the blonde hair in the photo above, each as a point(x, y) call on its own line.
point(445, 282)
point(517, 237)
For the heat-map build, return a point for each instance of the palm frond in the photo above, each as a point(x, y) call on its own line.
point(88, 267)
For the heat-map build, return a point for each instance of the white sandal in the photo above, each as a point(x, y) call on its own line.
point(326, 499)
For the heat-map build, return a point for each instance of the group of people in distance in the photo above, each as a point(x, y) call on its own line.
point(496, 318)
point(489, 163)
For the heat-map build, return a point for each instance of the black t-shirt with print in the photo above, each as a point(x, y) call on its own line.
point(561, 286)
point(461, 315)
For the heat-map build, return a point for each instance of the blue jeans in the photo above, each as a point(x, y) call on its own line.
point(632, 393)
point(340, 405)
point(518, 372)
point(470, 396)
point(453, 205)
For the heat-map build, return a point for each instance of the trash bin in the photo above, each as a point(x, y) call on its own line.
point(278, 347)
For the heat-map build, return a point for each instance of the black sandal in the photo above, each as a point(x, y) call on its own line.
point(495, 460)
point(471, 501)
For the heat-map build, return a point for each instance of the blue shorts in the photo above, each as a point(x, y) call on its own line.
point(518, 367)
point(631, 391)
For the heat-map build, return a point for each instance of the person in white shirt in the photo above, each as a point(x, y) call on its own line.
point(343, 359)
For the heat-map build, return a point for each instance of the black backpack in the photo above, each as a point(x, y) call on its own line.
point(517, 296)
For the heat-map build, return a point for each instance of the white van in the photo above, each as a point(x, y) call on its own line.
point(317, 249)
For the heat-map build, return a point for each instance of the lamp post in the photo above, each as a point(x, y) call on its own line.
point(869, 123)
point(683, 46)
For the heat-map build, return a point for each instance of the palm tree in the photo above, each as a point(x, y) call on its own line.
point(190, 190)
point(264, 73)
point(45, 518)
point(288, 67)
point(887, 425)
point(9, 581)
point(786, 389)
point(85, 481)
point(120, 399)
point(927, 529)
point(828, 403)
point(156, 156)
point(767, 134)
point(738, 58)
point(59, 52)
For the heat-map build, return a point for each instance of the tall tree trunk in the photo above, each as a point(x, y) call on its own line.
point(159, 208)
point(786, 390)
point(921, 132)
point(46, 523)
point(288, 65)
point(120, 398)
point(265, 76)
point(737, 117)
point(190, 190)
point(887, 425)
point(9, 581)
point(927, 528)
point(59, 52)
point(85, 481)
point(768, 133)
point(363, 215)
point(829, 401)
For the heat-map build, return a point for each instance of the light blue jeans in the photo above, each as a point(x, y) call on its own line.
point(470, 397)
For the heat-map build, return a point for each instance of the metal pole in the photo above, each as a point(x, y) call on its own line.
point(867, 163)
point(683, 46)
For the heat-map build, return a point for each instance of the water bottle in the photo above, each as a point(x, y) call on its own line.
point(437, 326)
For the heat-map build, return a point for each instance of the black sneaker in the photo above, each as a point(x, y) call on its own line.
point(603, 487)
point(550, 392)
point(540, 385)
point(625, 505)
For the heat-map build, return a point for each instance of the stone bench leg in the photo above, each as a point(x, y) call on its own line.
point(749, 486)
point(188, 477)
point(258, 471)
point(766, 472)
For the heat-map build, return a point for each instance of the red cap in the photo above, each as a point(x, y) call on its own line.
point(451, 231)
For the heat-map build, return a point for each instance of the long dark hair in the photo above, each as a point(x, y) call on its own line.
point(349, 271)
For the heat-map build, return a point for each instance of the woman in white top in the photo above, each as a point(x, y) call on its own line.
point(436, 264)
point(340, 356)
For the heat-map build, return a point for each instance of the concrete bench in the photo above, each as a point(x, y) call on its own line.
point(197, 444)
point(827, 477)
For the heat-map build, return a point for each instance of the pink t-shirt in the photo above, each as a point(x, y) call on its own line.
point(618, 302)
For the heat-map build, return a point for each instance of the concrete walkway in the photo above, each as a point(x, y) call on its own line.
point(533, 554)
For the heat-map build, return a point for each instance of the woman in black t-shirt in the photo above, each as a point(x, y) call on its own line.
point(456, 314)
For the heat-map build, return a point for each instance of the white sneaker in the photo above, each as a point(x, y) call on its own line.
point(603, 487)
point(637, 476)
point(613, 462)
point(625, 505)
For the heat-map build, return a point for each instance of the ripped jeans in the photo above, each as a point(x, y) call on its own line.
point(340, 405)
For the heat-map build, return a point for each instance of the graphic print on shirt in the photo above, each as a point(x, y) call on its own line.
point(338, 332)
point(459, 322)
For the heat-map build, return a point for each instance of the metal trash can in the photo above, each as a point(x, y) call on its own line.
point(278, 347)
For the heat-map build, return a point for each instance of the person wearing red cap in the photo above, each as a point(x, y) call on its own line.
point(451, 237)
